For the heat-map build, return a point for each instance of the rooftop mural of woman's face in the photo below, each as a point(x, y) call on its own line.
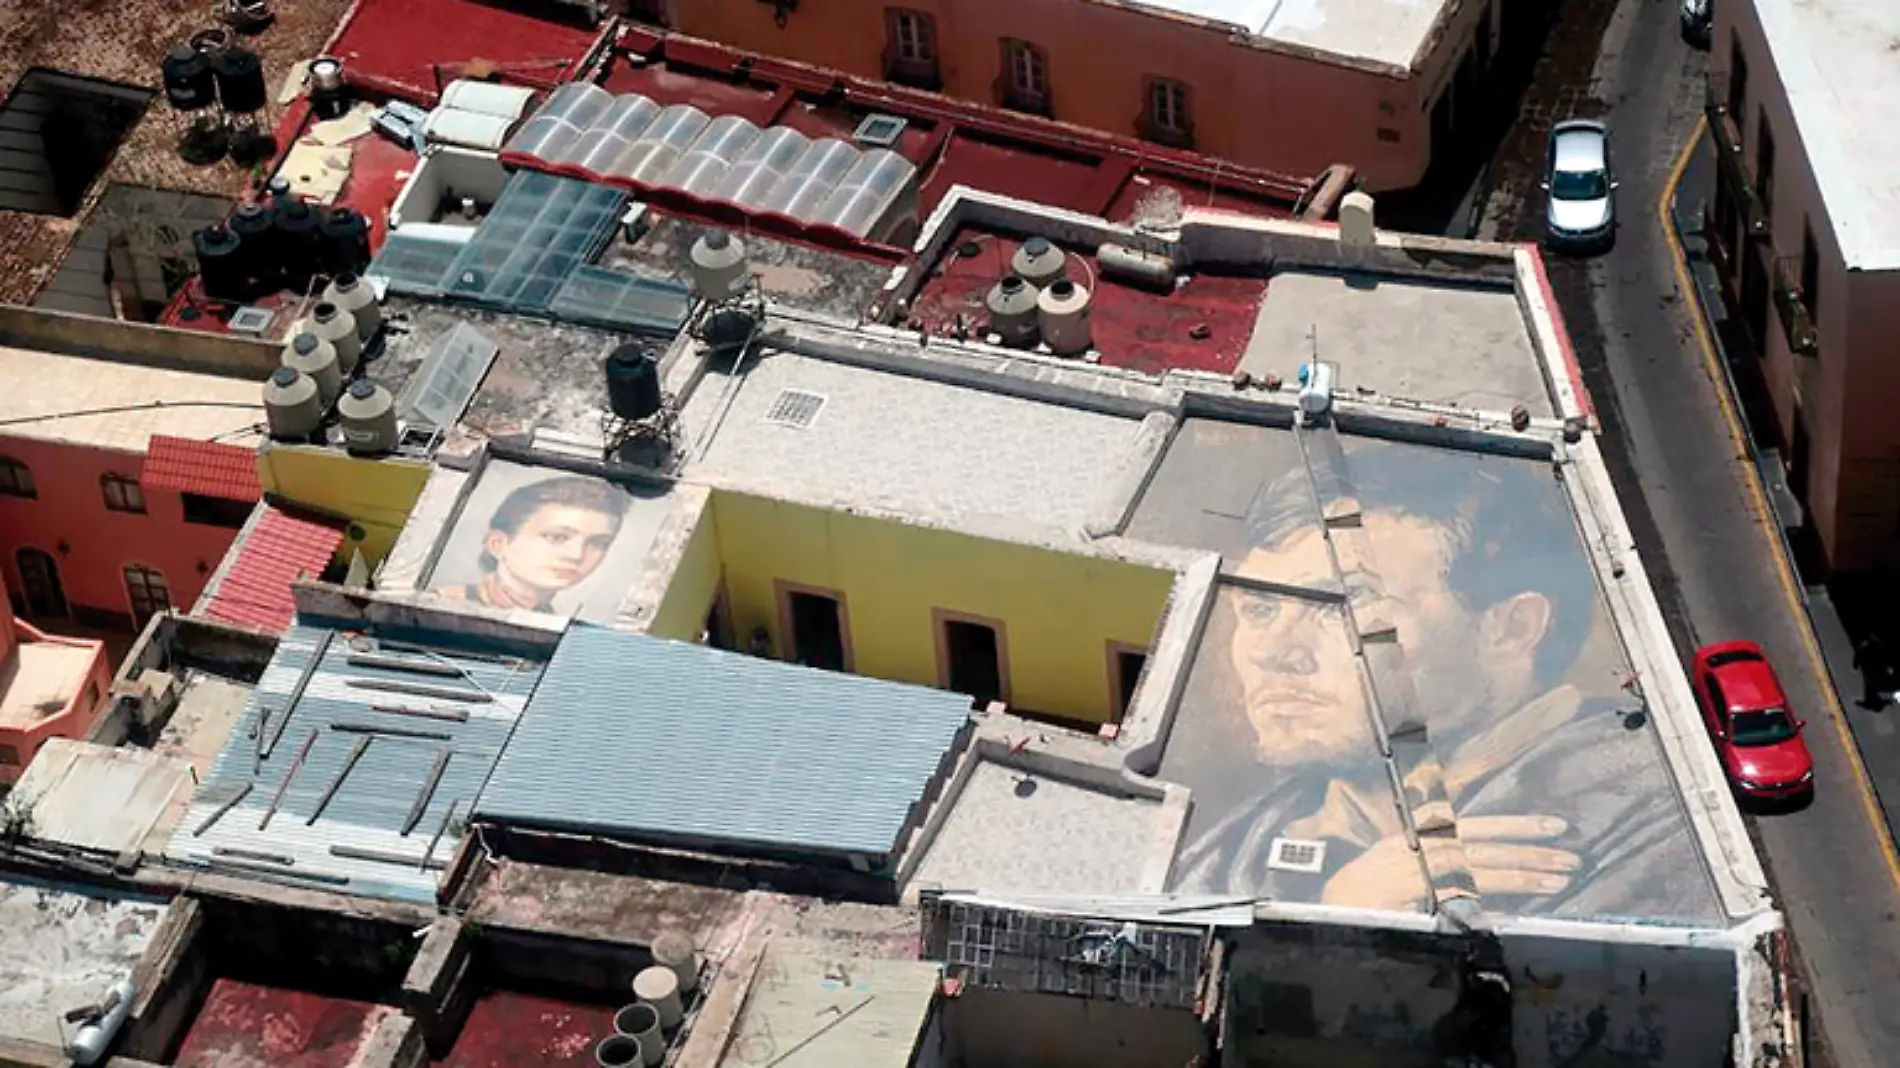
point(554, 549)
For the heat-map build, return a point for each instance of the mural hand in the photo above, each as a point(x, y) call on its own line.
point(1497, 850)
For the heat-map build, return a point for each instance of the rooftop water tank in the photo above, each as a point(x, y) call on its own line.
point(718, 265)
point(222, 271)
point(257, 244)
point(1039, 262)
point(1062, 313)
point(294, 224)
point(343, 241)
point(368, 415)
point(240, 77)
point(1012, 306)
point(189, 85)
point(1356, 219)
point(338, 327)
point(633, 383)
point(313, 356)
point(355, 296)
point(292, 406)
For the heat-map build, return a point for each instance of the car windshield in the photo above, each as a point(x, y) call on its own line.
point(1764, 727)
point(1579, 185)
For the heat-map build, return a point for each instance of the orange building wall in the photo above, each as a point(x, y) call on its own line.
point(73, 721)
point(1260, 107)
point(71, 509)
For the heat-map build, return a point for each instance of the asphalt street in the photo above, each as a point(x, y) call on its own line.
point(1689, 489)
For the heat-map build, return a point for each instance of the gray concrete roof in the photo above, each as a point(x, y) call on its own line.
point(1442, 343)
point(909, 444)
point(64, 949)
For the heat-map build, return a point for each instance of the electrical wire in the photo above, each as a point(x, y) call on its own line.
point(121, 409)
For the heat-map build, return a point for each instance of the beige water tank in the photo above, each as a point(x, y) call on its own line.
point(674, 949)
point(1062, 314)
point(338, 327)
point(368, 415)
point(1356, 219)
point(292, 408)
point(317, 358)
point(718, 265)
point(1012, 307)
point(660, 988)
point(355, 296)
point(1039, 262)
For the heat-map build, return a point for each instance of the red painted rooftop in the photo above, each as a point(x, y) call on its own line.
point(243, 1025)
point(279, 549)
point(508, 1030)
point(207, 468)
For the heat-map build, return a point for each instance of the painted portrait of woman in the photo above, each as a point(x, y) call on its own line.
point(543, 540)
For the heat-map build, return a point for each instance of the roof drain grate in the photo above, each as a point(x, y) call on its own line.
point(795, 408)
point(1298, 854)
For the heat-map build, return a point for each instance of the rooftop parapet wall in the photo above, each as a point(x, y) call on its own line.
point(43, 330)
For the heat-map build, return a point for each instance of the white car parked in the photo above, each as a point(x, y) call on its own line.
point(1579, 187)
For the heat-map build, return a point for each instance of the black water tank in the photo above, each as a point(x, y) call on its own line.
point(189, 85)
point(222, 270)
point(240, 76)
point(345, 240)
point(296, 234)
point(633, 383)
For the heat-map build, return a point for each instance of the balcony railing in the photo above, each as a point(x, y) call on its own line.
point(1731, 161)
point(1791, 302)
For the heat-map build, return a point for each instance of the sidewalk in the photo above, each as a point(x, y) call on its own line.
point(1876, 734)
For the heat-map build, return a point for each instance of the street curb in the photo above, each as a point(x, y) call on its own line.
point(1731, 400)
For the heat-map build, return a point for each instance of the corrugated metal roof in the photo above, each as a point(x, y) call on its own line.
point(279, 548)
point(209, 468)
point(100, 798)
point(821, 1007)
point(371, 807)
point(639, 737)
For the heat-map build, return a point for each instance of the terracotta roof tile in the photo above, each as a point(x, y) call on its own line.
point(280, 548)
point(208, 468)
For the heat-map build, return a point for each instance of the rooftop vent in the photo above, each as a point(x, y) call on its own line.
point(1298, 854)
point(880, 131)
point(795, 408)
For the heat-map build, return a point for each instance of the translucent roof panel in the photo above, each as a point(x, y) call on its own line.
point(713, 152)
point(615, 300)
point(866, 192)
point(765, 161)
point(600, 145)
point(811, 179)
point(540, 229)
point(414, 265)
point(544, 137)
point(662, 144)
point(580, 103)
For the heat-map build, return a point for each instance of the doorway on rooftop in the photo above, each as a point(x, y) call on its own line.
point(814, 624)
point(971, 656)
point(57, 132)
point(1125, 665)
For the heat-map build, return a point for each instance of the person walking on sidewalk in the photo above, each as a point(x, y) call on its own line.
point(1875, 665)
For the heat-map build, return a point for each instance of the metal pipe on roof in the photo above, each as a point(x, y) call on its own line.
point(296, 694)
point(394, 732)
point(447, 817)
point(206, 823)
point(449, 715)
point(385, 856)
point(427, 793)
point(445, 693)
point(252, 854)
point(349, 764)
point(289, 774)
point(282, 873)
point(403, 663)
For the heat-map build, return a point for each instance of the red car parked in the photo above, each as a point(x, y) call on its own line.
point(1746, 712)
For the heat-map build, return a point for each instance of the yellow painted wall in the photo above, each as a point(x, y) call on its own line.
point(1060, 610)
point(694, 586)
point(376, 494)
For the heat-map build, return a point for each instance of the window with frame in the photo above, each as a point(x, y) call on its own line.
point(1765, 162)
point(16, 479)
point(1026, 76)
point(1810, 271)
point(1167, 117)
point(122, 494)
point(910, 47)
point(147, 590)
